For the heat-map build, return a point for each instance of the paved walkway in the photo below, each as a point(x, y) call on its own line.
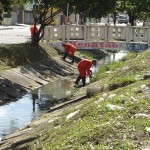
point(5, 27)
point(15, 34)
point(11, 27)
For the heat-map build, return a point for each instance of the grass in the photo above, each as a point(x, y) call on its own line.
point(88, 54)
point(108, 120)
point(97, 126)
point(85, 54)
point(128, 70)
point(22, 54)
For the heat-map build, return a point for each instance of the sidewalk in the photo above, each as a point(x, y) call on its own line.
point(5, 27)
point(23, 25)
point(2, 27)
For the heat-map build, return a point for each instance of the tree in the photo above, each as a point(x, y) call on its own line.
point(144, 10)
point(44, 12)
point(101, 8)
point(6, 5)
point(75, 6)
point(87, 8)
point(136, 9)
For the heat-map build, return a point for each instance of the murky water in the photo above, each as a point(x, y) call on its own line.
point(109, 58)
point(112, 57)
point(16, 115)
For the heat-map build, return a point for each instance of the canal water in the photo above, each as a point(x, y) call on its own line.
point(21, 112)
point(18, 114)
point(109, 58)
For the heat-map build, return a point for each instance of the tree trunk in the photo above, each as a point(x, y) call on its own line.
point(114, 18)
point(38, 35)
point(82, 18)
point(131, 18)
point(35, 40)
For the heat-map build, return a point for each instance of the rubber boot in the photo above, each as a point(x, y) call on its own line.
point(65, 55)
point(77, 80)
point(83, 81)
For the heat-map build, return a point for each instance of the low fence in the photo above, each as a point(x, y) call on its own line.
point(101, 36)
point(98, 33)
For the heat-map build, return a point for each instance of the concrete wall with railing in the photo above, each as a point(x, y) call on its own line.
point(98, 33)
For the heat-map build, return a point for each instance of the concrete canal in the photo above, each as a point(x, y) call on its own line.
point(22, 111)
point(18, 114)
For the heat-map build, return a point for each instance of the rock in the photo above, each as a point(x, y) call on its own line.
point(148, 129)
point(146, 75)
point(91, 91)
point(72, 114)
point(144, 88)
point(114, 107)
point(100, 100)
point(141, 115)
point(112, 95)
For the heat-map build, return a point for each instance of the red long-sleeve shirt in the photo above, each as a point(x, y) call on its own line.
point(84, 67)
point(32, 30)
point(70, 49)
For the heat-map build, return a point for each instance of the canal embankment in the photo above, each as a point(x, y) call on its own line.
point(115, 117)
point(118, 110)
point(26, 68)
point(34, 88)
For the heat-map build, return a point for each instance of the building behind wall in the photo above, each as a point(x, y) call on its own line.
point(18, 16)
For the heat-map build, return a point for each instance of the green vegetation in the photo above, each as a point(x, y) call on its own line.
point(126, 71)
point(85, 54)
point(114, 119)
point(6, 6)
point(88, 54)
point(136, 9)
point(22, 54)
point(96, 9)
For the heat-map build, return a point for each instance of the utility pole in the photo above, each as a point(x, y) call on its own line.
point(67, 13)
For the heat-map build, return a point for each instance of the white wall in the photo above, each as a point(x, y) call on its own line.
point(97, 33)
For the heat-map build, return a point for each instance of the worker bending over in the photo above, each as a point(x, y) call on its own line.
point(84, 69)
point(69, 49)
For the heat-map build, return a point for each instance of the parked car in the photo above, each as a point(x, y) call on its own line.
point(122, 19)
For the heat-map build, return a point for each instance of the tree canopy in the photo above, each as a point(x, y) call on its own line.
point(87, 8)
point(6, 5)
point(44, 12)
point(136, 9)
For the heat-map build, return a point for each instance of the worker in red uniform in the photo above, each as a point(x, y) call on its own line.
point(33, 32)
point(69, 49)
point(84, 69)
